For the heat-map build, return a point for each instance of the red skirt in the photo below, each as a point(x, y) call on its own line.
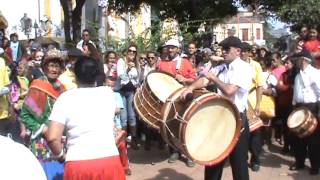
point(108, 168)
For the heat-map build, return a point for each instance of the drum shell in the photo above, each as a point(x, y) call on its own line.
point(307, 126)
point(178, 128)
point(146, 102)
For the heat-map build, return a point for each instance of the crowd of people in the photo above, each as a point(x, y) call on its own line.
point(74, 108)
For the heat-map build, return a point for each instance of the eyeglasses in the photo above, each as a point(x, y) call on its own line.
point(151, 57)
point(130, 50)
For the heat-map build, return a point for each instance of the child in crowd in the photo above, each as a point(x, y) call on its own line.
point(120, 134)
point(18, 90)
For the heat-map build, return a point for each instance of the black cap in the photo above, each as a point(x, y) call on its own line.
point(305, 54)
point(75, 52)
point(231, 41)
point(246, 46)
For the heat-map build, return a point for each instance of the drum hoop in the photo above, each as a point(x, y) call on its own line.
point(305, 111)
point(141, 114)
point(148, 86)
point(188, 114)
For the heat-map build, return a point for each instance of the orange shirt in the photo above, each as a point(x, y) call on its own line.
point(186, 69)
point(313, 46)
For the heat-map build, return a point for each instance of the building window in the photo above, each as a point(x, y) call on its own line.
point(245, 33)
point(258, 33)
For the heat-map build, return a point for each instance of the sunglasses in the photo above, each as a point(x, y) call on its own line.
point(130, 50)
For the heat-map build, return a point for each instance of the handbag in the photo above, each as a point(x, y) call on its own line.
point(128, 87)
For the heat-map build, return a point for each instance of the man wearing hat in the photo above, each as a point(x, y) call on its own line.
point(233, 79)
point(182, 70)
point(67, 78)
point(306, 93)
point(179, 67)
point(255, 145)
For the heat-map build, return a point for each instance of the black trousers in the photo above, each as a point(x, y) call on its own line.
point(309, 145)
point(255, 146)
point(238, 158)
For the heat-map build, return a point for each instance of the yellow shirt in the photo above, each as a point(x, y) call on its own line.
point(4, 81)
point(257, 74)
point(68, 79)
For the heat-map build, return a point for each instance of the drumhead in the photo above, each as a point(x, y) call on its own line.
point(162, 85)
point(211, 130)
point(297, 117)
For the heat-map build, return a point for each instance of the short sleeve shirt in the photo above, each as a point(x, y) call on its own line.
point(257, 74)
point(88, 115)
point(238, 73)
point(173, 67)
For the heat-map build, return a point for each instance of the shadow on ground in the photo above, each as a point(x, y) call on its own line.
point(165, 174)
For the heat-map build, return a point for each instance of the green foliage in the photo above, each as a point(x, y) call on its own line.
point(192, 11)
point(294, 12)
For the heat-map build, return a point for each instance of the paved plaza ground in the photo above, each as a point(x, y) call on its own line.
point(153, 165)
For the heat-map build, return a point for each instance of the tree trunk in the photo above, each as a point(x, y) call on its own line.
point(76, 20)
point(66, 23)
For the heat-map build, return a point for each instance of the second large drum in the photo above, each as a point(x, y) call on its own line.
point(149, 99)
point(205, 129)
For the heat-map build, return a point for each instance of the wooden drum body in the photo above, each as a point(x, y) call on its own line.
point(149, 99)
point(205, 129)
point(302, 122)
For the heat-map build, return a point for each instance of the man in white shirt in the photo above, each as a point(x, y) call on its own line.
point(306, 93)
point(17, 47)
point(85, 39)
point(233, 79)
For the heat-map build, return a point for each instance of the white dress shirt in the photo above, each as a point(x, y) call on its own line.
point(307, 86)
point(238, 73)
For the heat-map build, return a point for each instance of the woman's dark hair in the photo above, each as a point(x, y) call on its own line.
point(106, 60)
point(86, 70)
point(13, 75)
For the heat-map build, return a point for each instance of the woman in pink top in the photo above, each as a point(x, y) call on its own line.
point(278, 67)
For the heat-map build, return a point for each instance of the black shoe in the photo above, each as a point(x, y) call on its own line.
point(173, 158)
point(314, 171)
point(190, 163)
point(296, 167)
point(255, 167)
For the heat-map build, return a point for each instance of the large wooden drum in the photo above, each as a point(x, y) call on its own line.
point(205, 129)
point(149, 99)
point(302, 122)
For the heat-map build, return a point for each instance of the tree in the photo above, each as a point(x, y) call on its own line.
point(72, 18)
point(294, 12)
point(191, 12)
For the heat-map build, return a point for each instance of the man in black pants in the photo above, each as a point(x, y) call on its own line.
point(233, 79)
point(306, 93)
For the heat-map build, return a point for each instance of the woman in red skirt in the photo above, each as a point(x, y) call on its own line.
point(86, 114)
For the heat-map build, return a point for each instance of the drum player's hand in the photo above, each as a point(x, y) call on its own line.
point(257, 111)
point(180, 78)
point(185, 93)
point(211, 77)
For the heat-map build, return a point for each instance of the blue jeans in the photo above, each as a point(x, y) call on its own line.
point(128, 115)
